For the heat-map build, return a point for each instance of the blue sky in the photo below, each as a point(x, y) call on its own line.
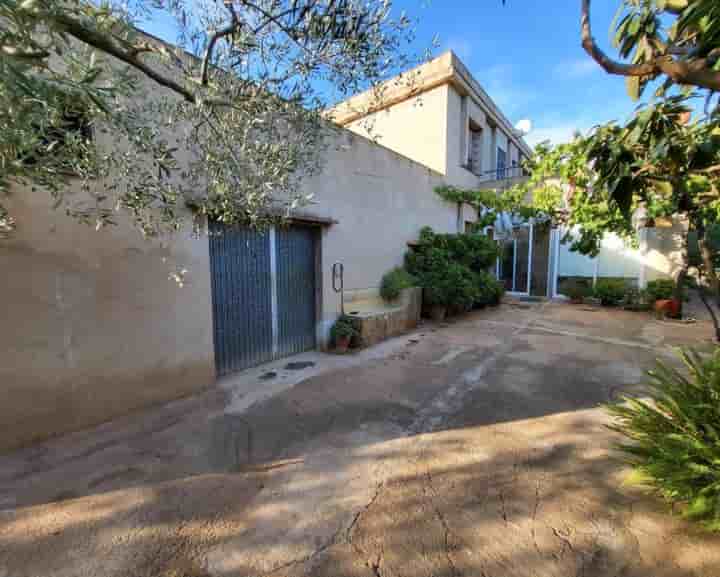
point(527, 56)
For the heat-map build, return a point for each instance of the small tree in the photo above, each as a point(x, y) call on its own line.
point(662, 163)
point(242, 93)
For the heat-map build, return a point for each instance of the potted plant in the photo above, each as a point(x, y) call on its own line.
point(450, 286)
point(343, 332)
point(610, 291)
point(575, 289)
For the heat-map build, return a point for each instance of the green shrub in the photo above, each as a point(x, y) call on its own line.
point(490, 290)
point(475, 251)
point(451, 285)
point(575, 289)
point(673, 440)
point(453, 268)
point(635, 300)
point(661, 289)
point(610, 291)
point(394, 281)
point(344, 327)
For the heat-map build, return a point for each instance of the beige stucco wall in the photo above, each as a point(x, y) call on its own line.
point(432, 129)
point(380, 201)
point(416, 128)
point(662, 251)
point(97, 328)
point(93, 325)
point(457, 148)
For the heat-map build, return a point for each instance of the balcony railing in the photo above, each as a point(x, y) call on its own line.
point(506, 173)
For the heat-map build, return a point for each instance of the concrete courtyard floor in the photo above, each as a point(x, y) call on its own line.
point(473, 448)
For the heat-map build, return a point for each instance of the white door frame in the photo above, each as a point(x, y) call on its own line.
point(514, 291)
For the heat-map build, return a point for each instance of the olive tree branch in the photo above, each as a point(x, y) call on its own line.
point(77, 30)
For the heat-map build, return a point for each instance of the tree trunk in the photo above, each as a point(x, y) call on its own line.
point(708, 268)
point(709, 307)
point(681, 276)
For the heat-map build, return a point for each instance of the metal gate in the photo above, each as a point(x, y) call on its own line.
point(296, 289)
point(263, 292)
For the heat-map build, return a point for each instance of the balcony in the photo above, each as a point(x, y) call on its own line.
point(503, 178)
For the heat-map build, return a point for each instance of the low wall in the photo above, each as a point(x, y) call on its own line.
point(384, 321)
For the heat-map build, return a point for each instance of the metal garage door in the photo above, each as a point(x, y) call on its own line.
point(296, 289)
point(263, 291)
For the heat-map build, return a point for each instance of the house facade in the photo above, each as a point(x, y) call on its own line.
point(440, 116)
point(96, 328)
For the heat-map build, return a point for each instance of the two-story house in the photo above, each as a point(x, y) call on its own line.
point(440, 116)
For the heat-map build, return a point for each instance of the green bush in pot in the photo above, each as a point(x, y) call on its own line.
point(343, 331)
point(575, 289)
point(610, 291)
point(660, 289)
point(394, 282)
point(451, 285)
point(490, 290)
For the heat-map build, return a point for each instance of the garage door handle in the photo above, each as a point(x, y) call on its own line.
point(338, 283)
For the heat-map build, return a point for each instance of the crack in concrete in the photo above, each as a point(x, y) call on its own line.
point(443, 521)
point(564, 539)
point(534, 518)
point(334, 540)
point(302, 560)
point(376, 565)
point(361, 512)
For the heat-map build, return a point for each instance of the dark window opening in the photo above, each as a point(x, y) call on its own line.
point(475, 151)
point(500, 163)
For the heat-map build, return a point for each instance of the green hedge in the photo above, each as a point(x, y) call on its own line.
point(453, 268)
point(394, 281)
point(661, 289)
point(610, 291)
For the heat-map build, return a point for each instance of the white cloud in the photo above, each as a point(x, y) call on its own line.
point(577, 68)
point(512, 98)
point(460, 46)
point(557, 134)
point(559, 127)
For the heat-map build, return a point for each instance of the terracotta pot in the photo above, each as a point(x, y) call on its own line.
point(668, 307)
point(342, 344)
point(438, 313)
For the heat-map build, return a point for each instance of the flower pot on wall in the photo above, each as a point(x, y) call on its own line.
point(668, 308)
point(342, 344)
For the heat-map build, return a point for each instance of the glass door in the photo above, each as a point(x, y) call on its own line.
point(514, 261)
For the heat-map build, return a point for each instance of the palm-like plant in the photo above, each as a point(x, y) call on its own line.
point(672, 440)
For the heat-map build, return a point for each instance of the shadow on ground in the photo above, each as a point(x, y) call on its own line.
point(476, 449)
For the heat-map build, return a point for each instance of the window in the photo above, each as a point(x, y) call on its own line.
point(475, 153)
point(500, 163)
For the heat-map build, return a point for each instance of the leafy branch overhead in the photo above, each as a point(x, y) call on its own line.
point(229, 121)
point(676, 40)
